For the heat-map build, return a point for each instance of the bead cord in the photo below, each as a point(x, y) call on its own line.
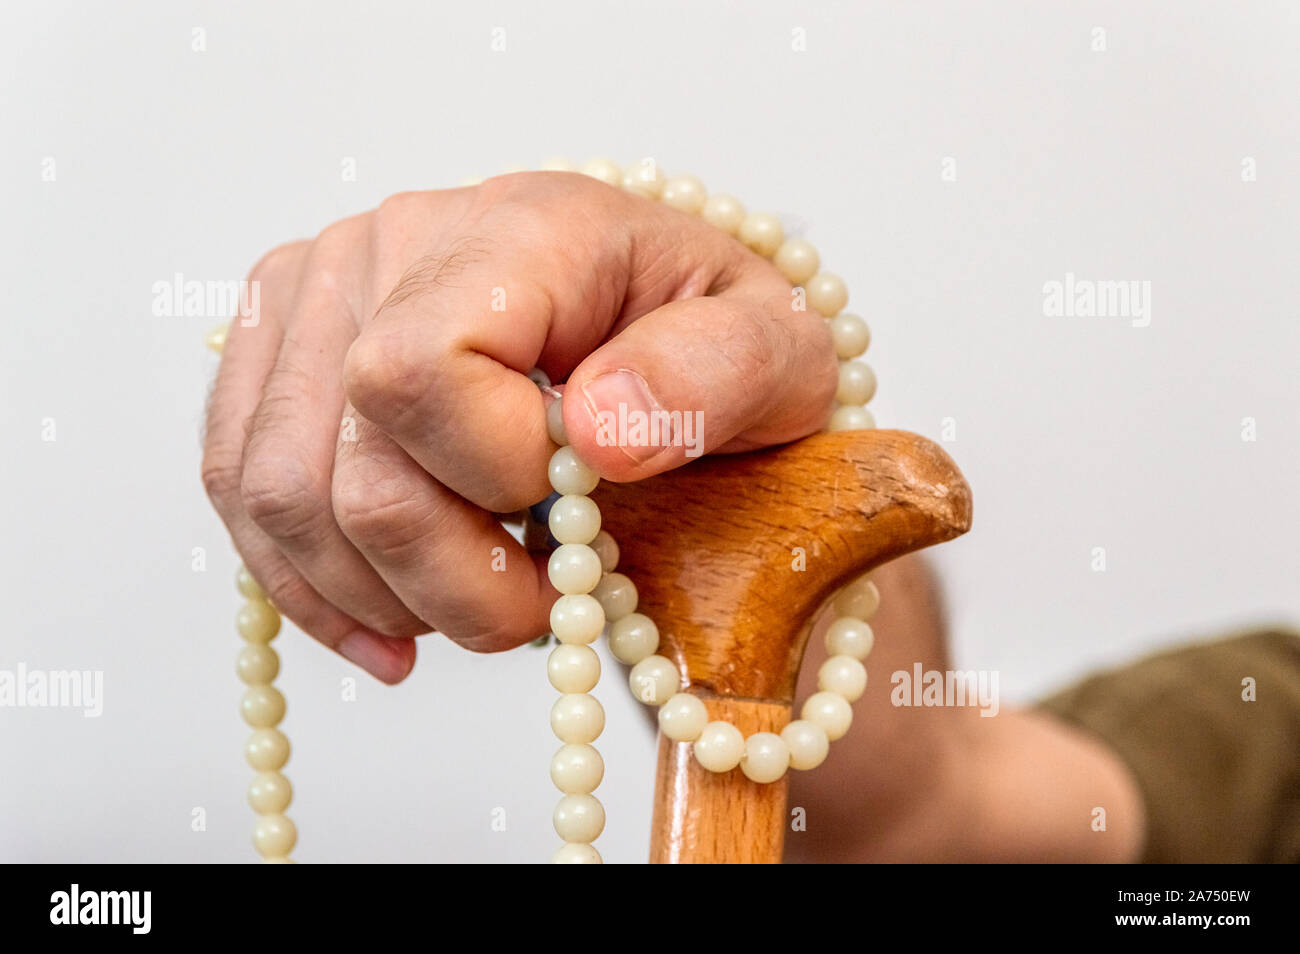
point(262, 707)
point(595, 598)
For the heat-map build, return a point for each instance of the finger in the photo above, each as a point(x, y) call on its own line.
point(247, 358)
point(451, 562)
point(445, 376)
point(289, 458)
point(535, 282)
point(732, 373)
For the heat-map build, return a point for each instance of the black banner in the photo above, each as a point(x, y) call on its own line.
point(137, 903)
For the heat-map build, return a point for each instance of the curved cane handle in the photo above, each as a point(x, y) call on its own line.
point(714, 548)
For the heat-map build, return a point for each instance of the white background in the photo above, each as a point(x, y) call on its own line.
point(1074, 433)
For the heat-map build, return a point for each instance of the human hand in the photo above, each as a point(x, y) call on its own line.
point(365, 431)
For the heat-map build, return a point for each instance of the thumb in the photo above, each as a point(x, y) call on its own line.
point(728, 373)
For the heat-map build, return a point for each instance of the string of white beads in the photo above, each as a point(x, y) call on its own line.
point(262, 707)
point(577, 618)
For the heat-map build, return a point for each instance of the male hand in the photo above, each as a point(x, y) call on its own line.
point(363, 433)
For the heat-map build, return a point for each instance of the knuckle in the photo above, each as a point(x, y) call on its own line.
point(277, 260)
point(379, 517)
point(334, 262)
point(281, 495)
point(809, 370)
point(817, 354)
point(497, 190)
point(398, 210)
point(534, 205)
point(749, 344)
point(220, 474)
point(383, 378)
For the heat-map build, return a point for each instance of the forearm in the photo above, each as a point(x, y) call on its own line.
point(1018, 787)
point(948, 783)
point(1046, 791)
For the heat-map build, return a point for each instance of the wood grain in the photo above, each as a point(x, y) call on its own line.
point(703, 817)
point(715, 549)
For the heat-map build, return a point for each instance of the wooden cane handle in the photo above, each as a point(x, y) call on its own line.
point(732, 557)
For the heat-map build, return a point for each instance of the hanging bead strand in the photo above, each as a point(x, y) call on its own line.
point(577, 619)
point(262, 707)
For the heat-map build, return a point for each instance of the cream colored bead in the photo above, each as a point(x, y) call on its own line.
point(860, 598)
point(470, 181)
point(848, 636)
point(555, 423)
point(216, 339)
point(257, 621)
point(766, 757)
point(850, 335)
point(274, 836)
point(857, 383)
point(557, 164)
point(808, 744)
point(827, 294)
point(723, 212)
point(278, 861)
point(606, 170)
point(633, 638)
point(574, 568)
point(574, 518)
point(577, 618)
point(830, 711)
point(257, 664)
point(720, 747)
point(247, 586)
point(606, 548)
point(683, 717)
point(579, 818)
point(267, 750)
point(797, 260)
point(569, 475)
point(617, 596)
point(573, 853)
point(762, 232)
point(269, 793)
point(844, 676)
point(654, 680)
point(262, 707)
point(686, 193)
point(575, 668)
point(644, 178)
point(577, 717)
point(851, 418)
point(577, 769)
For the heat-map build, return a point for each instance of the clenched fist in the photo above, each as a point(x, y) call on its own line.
point(363, 433)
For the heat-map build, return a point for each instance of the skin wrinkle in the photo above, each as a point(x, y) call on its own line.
point(269, 404)
point(605, 299)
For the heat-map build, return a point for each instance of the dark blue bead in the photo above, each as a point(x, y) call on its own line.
point(541, 512)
